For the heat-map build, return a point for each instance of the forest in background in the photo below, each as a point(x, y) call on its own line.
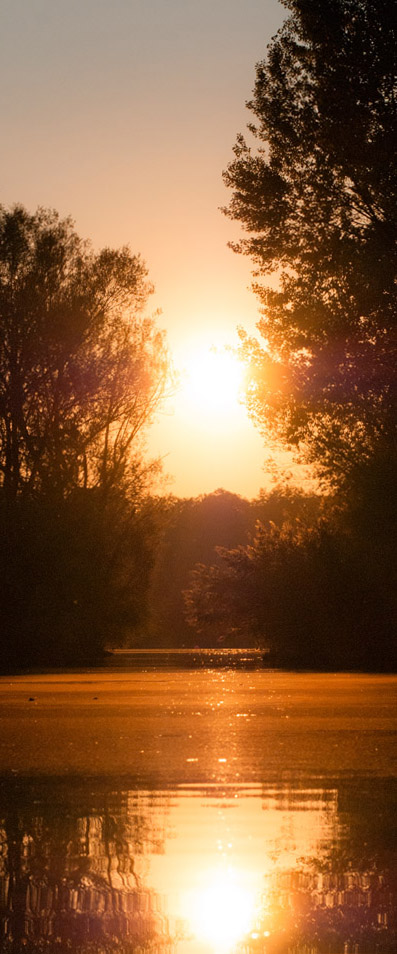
point(301, 575)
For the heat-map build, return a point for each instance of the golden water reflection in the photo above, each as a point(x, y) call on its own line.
point(224, 848)
point(221, 908)
point(197, 870)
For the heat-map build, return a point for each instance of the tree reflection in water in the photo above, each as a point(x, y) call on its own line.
point(73, 870)
point(79, 869)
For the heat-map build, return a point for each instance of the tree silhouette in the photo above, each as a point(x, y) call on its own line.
point(82, 371)
point(316, 195)
point(303, 592)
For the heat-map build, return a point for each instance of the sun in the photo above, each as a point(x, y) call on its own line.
point(205, 436)
point(222, 910)
point(211, 382)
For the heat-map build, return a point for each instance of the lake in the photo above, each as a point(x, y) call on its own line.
point(188, 806)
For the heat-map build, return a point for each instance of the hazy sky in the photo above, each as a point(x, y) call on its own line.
point(123, 114)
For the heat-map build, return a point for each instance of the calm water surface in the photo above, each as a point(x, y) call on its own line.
point(201, 811)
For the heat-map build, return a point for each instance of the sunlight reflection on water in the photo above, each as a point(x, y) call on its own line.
point(221, 909)
point(198, 813)
point(224, 848)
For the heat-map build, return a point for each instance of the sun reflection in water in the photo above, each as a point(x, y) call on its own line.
point(221, 911)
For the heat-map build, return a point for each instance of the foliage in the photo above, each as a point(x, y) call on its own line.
point(197, 531)
point(303, 589)
point(192, 529)
point(82, 371)
point(74, 576)
point(316, 196)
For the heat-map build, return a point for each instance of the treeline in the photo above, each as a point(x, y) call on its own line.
point(313, 185)
point(312, 579)
point(196, 532)
point(82, 371)
point(318, 593)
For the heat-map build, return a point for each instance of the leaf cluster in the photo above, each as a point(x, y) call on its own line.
point(316, 196)
point(81, 369)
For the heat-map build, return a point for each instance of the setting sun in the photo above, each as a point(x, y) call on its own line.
point(211, 382)
point(205, 437)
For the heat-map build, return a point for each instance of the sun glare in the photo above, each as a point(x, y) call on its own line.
point(211, 382)
point(205, 436)
point(222, 911)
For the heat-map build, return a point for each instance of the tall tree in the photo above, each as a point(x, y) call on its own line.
point(82, 371)
point(316, 195)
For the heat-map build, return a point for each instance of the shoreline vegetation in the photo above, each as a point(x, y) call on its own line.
point(171, 659)
point(281, 578)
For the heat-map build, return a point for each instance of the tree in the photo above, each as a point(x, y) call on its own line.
point(298, 591)
point(82, 371)
point(193, 529)
point(317, 196)
point(242, 592)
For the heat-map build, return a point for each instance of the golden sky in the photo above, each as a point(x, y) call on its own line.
point(123, 115)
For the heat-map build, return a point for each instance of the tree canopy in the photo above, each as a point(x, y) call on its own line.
point(315, 191)
point(82, 371)
point(302, 590)
point(316, 195)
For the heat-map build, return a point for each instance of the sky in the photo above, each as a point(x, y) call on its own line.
point(123, 114)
